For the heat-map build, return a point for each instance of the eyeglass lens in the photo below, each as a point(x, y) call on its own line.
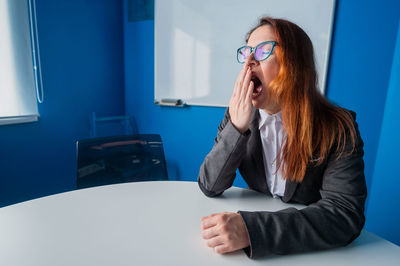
point(243, 53)
point(262, 51)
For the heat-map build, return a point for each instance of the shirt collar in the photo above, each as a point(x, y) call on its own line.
point(267, 118)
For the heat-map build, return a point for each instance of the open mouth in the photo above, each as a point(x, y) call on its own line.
point(257, 86)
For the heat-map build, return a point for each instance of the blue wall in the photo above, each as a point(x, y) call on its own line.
point(359, 80)
point(383, 212)
point(361, 60)
point(82, 62)
point(360, 66)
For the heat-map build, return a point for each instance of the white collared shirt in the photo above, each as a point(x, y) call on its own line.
point(271, 132)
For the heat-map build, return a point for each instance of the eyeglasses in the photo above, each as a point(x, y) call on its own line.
point(261, 51)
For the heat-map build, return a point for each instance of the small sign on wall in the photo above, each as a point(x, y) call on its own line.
point(139, 10)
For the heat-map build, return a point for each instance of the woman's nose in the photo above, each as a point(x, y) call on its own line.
point(252, 61)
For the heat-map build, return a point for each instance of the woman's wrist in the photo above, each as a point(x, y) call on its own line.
point(243, 131)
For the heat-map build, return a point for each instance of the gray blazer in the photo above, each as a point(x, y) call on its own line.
point(334, 191)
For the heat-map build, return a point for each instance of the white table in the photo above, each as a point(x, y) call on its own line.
point(149, 223)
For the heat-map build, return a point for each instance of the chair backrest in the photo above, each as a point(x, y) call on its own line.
point(120, 159)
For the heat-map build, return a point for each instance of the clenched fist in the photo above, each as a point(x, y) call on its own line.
point(225, 232)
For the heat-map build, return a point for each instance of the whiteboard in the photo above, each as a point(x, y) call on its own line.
point(195, 43)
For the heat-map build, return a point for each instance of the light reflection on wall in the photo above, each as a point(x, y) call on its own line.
point(182, 75)
point(191, 64)
point(191, 69)
point(202, 74)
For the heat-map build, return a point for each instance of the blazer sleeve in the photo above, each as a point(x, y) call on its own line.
point(333, 221)
point(218, 170)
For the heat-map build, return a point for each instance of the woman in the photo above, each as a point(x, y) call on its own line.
point(288, 141)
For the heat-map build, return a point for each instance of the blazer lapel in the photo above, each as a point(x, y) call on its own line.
point(255, 146)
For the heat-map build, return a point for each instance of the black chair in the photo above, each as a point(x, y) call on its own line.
point(119, 159)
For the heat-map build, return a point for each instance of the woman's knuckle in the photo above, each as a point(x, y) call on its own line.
point(223, 228)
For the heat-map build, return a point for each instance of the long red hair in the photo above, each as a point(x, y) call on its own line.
point(312, 124)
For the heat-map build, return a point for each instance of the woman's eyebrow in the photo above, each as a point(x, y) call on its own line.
point(259, 43)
